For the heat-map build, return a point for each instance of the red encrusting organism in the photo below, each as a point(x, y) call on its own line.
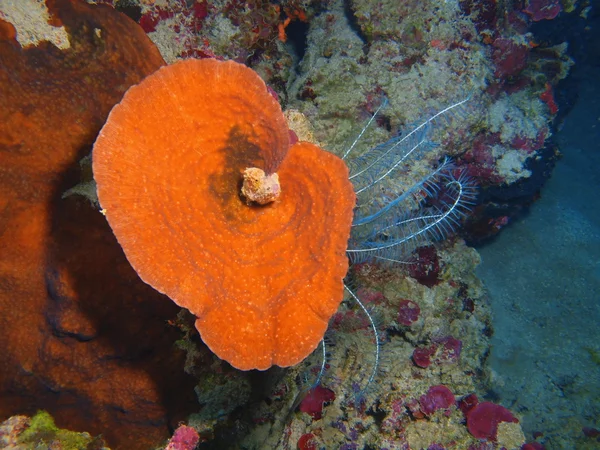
point(422, 356)
point(408, 312)
point(437, 397)
point(542, 9)
point(307, 442)
point(483, 420)
point(315, 399)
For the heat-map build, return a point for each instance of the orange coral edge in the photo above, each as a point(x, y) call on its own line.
point(263, 281)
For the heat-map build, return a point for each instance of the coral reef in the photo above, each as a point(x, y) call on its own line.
point(83, 333)
point(344, 74)
point(40, 432)
point(343, 57)
point(421, 57)
point(408, 406)
point(254, 32)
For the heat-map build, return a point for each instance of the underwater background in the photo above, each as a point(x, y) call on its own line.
point(486, 311)
point(546, 318)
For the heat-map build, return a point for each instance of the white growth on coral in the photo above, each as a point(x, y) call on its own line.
point(510, 165)
point(30, 19)
point(516, 115)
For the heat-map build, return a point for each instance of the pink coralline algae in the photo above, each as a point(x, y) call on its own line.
point(542, 9)
point(184, 438)
point(480, 160)
point(314, 401)
point(484, 13)
point(531, 145)
point(426, 268)
point(414, 408)
point(509, 57)
point(307, 442)
point(408, 312)
point(445, 350)
point(437, 397)
point(450, 349)
point(369, 296)
point(422, 356)
point(192, 15)
point(483, 420)
point(467, 403)
point(593, 433)
point(394, 422)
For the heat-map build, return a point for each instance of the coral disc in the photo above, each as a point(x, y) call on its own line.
point(263, 281)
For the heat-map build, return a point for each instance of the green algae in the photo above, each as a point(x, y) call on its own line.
point(43, 432)
point(594, 355)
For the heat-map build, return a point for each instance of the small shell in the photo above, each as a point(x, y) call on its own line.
point(259, 187)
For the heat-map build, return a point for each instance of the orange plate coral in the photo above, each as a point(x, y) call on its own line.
point(262, 280)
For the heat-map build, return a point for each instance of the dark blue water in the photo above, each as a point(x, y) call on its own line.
point(543, 277)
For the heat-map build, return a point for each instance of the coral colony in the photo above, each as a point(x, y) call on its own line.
point(343, 269)
point(262, 280)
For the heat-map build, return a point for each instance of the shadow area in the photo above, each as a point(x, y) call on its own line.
point(81, 335)
point(108, 358)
